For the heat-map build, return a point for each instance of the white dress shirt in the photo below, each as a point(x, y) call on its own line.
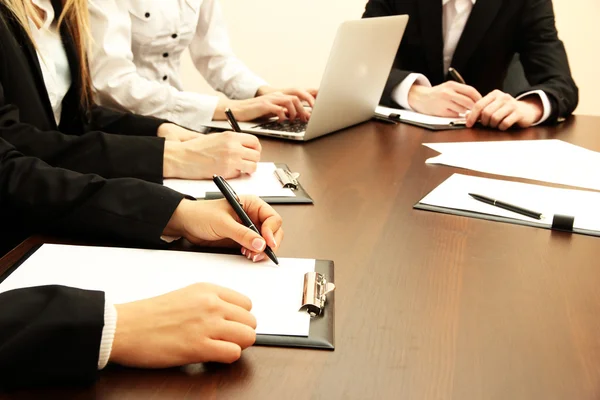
point(455, 16)
point(52, 57)
point(136, 54)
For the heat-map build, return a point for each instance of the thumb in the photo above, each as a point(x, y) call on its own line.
point(246, 237)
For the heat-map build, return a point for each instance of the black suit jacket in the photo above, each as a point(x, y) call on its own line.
point(85, 141)
point(495, 32)
point(49, 336)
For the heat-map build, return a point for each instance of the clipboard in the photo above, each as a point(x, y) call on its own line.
point(288, 180)
point(318, 300)
point(393, 115)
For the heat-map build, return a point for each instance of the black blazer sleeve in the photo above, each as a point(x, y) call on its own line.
point(544, 58)
point(111, 156)
point(44, 198)
point(123, 123)
point(49, 335)
point(385, 8)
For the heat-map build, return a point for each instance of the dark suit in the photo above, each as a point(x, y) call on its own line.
point(49, 336)
point(495, 32)
point(85, 140)
point(35, 197)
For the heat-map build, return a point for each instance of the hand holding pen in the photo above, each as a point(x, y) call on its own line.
point(269, 223)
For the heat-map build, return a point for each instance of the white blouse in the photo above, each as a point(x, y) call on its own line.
point(52, 57)
point(136, 55)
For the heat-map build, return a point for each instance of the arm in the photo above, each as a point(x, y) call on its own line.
point(545, 60)
point(119, 85)
point(214, 59)
point(111, 156)
point(45, 198)
point(49, 335)
point(391, 96)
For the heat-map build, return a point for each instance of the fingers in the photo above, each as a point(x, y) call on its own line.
point(477, 109)
point(222, 351)
point(497, 117)
point(303, 95)
point(249, 141)
point(246, 237)
point(250, 155)
point(509, 121)
point(234, 298)
point(247, 167)
point(466, 90)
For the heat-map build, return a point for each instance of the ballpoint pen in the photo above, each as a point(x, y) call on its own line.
point(455, 76)
point(507, 206)
point(233, 200)
point(232, 121)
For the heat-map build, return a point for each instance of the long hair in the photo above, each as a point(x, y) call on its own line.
point(74, 16)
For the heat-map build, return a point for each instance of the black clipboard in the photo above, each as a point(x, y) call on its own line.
point(301, 196)
point(395, 118)
point(560, 222)
point(322, 327)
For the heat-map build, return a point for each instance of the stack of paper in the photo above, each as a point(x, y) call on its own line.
point(262, 183)
point(452, 197)
point(422, 120)
point(551, 161)
point(132, 274)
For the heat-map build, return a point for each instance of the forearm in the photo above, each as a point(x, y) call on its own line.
point(49, 336)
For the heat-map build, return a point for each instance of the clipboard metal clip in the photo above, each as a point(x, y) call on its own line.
point(288, 179)
point(315, 293)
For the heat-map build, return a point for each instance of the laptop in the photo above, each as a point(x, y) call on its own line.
point(358, 67)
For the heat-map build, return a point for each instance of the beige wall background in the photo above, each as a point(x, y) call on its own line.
point(287, 42)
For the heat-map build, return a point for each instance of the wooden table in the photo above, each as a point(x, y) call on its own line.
point(429, 306)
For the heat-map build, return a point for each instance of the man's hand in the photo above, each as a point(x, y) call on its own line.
point(176, 133)
point(450, 99)
point(501, 110)
point(213, 222)
point(228, 154)
point(199, 323)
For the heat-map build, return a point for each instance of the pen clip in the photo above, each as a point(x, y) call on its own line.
point(288, 179)
point(228, 187)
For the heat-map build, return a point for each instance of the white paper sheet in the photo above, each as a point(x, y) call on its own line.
point(412, 116)
point(454, 192)
point(263, 182)
point(133, 274)
point(551, 161)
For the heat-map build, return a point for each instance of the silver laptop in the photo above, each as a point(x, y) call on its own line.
point(358, 67)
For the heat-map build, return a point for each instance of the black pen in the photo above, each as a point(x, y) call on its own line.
point(455, 76)
point(232, 121)
point(234, 201)
point(507, 206)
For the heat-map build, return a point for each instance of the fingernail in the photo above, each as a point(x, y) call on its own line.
point(259, 244)
point(249, 256)
point(255, 258)
point(243, 250)
point(274, 243)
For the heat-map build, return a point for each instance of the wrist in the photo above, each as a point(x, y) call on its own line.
point(171, 159)
point(222, 105)
point(266, 89)
point(176, 227)
point(164, 130)
point(534, 106)
point(415, 95)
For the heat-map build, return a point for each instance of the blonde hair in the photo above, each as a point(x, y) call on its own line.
point(74, 16)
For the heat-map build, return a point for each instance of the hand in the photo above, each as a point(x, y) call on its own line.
point(199, 323)
point(446, 100)
point(308, 95)
point(501, 110)
point(276, 104)
point(228, 154)
point(176, 133)
point(213, 222)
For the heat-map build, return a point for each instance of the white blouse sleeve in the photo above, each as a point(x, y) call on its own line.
point(118, 83)
point(212, 55)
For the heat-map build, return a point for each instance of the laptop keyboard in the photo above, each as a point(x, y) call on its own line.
point(295, 126)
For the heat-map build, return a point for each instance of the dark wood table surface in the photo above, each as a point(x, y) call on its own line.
point(429, 306)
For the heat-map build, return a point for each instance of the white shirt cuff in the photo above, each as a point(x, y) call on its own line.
point(192, 110)
point(108, 333)
point(400, 92)
point(545, 104)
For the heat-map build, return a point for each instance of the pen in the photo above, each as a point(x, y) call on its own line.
point(507, 206)
point(232, 121)
point(455, 76)
point(234, 201)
